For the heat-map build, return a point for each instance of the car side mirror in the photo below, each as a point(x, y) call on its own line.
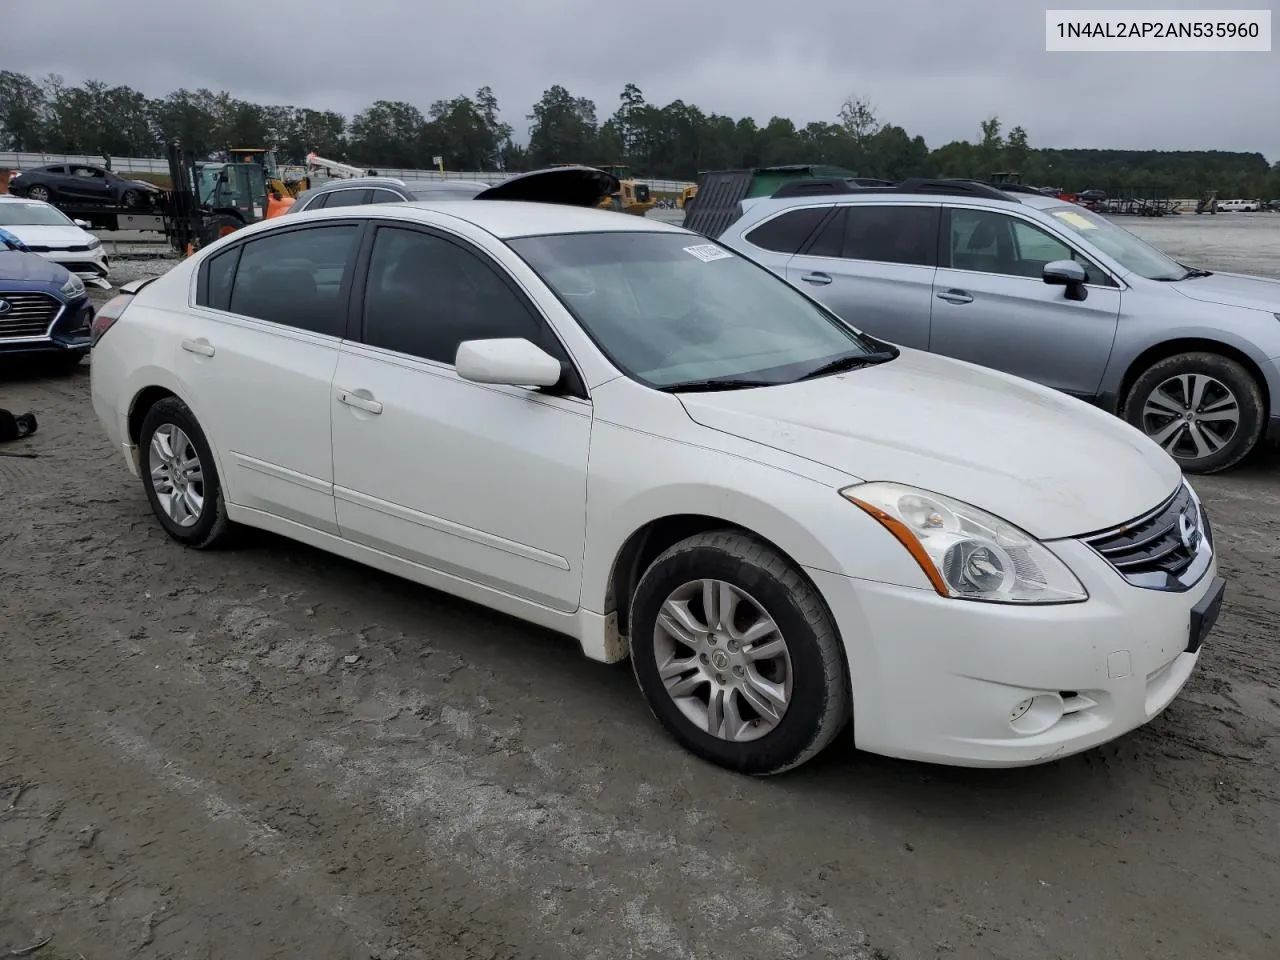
point(512, 362)
point(1069, 274)
point(82, 224)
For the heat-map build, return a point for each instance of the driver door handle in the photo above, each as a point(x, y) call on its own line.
point(817, 277)
point(353, 399)
point(955, 296)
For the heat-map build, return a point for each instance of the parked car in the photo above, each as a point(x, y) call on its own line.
point(71, 183)
point(358, 191)
point(1044, 290)
point(46, 230)
point(613, 428)
point(44, 311)
point(1240, 206)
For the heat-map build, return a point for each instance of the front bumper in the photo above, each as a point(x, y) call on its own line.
point(91, 266)
point(70, 330)
point(943, 680)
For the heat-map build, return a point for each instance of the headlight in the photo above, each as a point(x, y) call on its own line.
point(74, 286)
point(965, 552)
point(94, 243)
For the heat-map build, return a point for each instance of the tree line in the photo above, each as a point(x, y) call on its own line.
point(674, 141)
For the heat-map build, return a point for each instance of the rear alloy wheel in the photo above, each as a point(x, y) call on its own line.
point(40, 192)
point(1204, 409)
point(736, 654)
point(180, 477)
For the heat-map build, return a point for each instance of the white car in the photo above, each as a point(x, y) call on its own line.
point(613, 428)
point(46, 230)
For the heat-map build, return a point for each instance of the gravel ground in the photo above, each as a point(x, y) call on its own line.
point(275, 753)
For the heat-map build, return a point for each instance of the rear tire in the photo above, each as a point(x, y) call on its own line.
point(181, 478)
point(1206, 410)
point(40, 192)
point(766, 674)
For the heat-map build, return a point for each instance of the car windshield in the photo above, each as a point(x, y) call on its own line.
point(1122, 246)
point(674, 310)
point(31, 215)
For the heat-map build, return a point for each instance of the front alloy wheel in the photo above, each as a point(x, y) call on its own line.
point(723, 660)
point(737, 654)
point(1206, 410)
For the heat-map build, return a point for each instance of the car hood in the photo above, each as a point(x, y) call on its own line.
point(1054, 466)
point(1233, 290)
point(573, 186)
point(31, 269)
point(56, 237)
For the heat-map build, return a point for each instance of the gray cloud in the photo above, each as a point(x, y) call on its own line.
point(935, 67)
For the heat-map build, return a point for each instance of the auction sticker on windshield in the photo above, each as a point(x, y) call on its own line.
point(706, 252)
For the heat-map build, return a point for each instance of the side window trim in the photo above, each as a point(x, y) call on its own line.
point(344, 291)
point(576, 387)
point(944, 238)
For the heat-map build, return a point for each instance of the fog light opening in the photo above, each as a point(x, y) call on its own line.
point(1036, 714)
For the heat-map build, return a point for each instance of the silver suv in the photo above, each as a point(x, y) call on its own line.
point(1041, 289)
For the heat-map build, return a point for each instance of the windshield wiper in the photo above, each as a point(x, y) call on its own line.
point(705, 386)
point(851, 361)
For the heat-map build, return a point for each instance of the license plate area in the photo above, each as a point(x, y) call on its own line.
point(1205, 614)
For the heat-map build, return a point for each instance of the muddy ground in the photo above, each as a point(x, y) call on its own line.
point(275, 753)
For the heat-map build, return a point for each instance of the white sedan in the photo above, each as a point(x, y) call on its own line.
point(616, 429)
point(47, 231)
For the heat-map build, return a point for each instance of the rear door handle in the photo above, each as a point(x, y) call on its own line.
point(955, 296)
point(354, 399)
point(203, 347)
point(821, 279)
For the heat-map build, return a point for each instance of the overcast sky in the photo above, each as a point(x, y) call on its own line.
point(935, 67)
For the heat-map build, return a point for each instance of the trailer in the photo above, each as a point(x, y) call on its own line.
point(207, 200)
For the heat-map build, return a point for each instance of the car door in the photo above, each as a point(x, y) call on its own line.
point(485, 483)
point(873, 265)
point(90, 183)
point(992, 306)
point(257, 361)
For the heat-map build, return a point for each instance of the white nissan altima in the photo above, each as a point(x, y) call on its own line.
point(614, 428)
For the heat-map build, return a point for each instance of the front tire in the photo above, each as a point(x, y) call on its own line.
point(130, 199)
point(41, 193)
point(1206, 410)
point(180, 477)
point(737, 655)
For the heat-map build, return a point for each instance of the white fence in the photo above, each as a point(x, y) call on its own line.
point(10, 160)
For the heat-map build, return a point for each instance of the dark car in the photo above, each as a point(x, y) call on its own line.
point(44, 310)
point(71, 183)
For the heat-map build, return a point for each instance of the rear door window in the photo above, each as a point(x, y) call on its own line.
point(789, 231)
point(297, 278)
point(385, 196)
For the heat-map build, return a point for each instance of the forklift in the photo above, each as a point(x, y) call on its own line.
point(210, 200)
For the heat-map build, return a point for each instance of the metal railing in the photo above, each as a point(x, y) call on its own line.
point(10, 160)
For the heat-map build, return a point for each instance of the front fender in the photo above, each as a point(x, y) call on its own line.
point(632, 484)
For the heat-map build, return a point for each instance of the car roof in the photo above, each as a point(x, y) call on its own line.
point(504, 219)
point(507, 219)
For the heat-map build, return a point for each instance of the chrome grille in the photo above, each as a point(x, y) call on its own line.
point(27, 315)
point(1166, 549)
